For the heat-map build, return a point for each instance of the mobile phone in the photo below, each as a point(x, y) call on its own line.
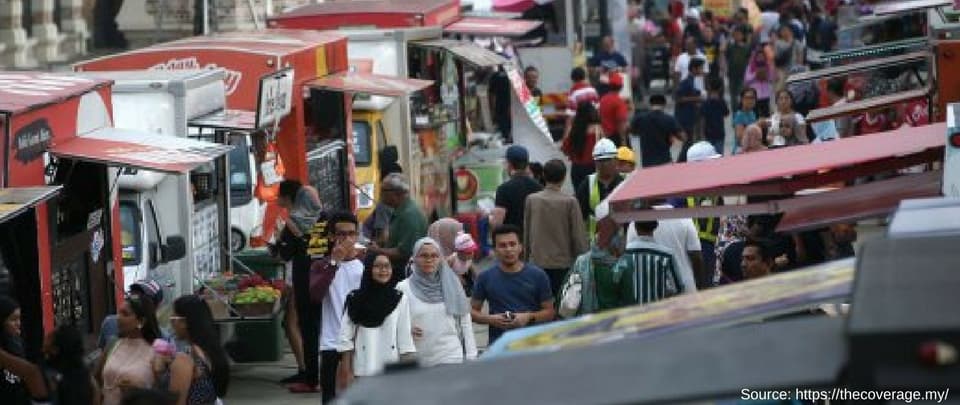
point(510, 315)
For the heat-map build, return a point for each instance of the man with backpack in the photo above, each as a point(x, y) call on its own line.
point(589, 286)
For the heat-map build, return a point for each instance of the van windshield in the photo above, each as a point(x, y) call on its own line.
point(130, 234)
point(361, 143)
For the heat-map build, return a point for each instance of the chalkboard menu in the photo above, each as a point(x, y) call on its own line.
point(327, 170)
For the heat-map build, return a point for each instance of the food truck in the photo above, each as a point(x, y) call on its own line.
point(153, 205)
point(62, 245)
point(429, 129)
point(308, 143)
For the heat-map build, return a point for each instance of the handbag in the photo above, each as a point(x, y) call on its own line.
point(571, 296)
point(289, 245)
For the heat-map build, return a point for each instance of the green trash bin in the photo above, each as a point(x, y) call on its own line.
point(260, 340)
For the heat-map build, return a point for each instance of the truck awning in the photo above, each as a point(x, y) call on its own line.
point(369, 83)
point(875, 51)
point(129, 148)
point(900, 7)
point(874, 199)
point(16, 200)
point(866, 105)
point(492, 27)
point(874, 64)
point(233, 120)
point(781, 171)
point(467, 51)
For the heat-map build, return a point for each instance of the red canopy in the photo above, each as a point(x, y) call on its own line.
point(856, 203)
point(782, 171)
point(24, 91)
point(493, 27)
point(381, 85)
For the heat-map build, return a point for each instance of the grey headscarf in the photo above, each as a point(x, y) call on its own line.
point(442, 285)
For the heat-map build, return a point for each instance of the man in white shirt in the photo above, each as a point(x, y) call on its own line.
point(682, 67)
point(680, 235)
point(343, 228)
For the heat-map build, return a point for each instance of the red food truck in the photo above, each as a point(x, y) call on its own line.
point(59, 212)
point(310, 143)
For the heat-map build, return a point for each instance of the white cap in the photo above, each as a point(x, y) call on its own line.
point(702, 150)
point(604, 149)
point(693, 13)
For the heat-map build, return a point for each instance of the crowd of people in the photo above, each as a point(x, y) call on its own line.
point(412, 291)
point(140, 363)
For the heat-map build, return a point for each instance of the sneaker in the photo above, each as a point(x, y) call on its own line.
point(298, 377)
point(302, 388)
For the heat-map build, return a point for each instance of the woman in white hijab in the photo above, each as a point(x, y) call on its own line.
point(440, 313)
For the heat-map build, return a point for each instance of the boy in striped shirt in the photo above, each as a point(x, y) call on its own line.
point(647, 272)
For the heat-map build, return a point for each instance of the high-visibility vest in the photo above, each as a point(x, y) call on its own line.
point(706, 227)
point(593, 200)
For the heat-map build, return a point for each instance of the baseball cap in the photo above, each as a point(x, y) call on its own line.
point(517, 153)
point(149, 288)
point(693, 13)
point(604, 150)
point(615, 79)
point(702, 150)
point(626, 154)
point(464, 243)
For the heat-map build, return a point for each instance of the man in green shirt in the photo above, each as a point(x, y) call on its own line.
point(599, 288)
point(407, 225)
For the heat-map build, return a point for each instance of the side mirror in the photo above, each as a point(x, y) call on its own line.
point(153, 255)
point(174, 249)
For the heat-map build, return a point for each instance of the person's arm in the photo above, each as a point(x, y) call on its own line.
point(738, 131)
point(28, 372)
point(181, 375)
point(527, 227)
point(494, 320)
point(578, 231)
point(405, 345)
point(500, 208)
point(583, 198)
point(800, 129)
point(545, 314)
point(469, 340)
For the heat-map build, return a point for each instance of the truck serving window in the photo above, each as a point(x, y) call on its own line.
point(240, 177)
point(362, 154)
point(130, 233)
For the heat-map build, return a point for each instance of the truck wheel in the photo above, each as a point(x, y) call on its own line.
point(237, 240)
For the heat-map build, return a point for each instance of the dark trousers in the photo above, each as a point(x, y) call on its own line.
point(328, 376)
point(709, 254)
point(105, 31)
point(556, 280)
point(308, 316)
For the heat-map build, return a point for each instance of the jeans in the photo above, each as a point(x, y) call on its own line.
point(308, 315)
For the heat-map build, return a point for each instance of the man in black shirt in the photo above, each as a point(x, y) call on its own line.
point(512, 195)
point(656, 130)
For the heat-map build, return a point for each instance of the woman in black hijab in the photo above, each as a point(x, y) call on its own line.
point(376, 328)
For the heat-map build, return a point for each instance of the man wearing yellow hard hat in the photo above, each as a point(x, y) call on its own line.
point(626, 160)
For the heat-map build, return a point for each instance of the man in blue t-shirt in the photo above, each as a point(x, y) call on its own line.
point(518, 293)
point(688, 99)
